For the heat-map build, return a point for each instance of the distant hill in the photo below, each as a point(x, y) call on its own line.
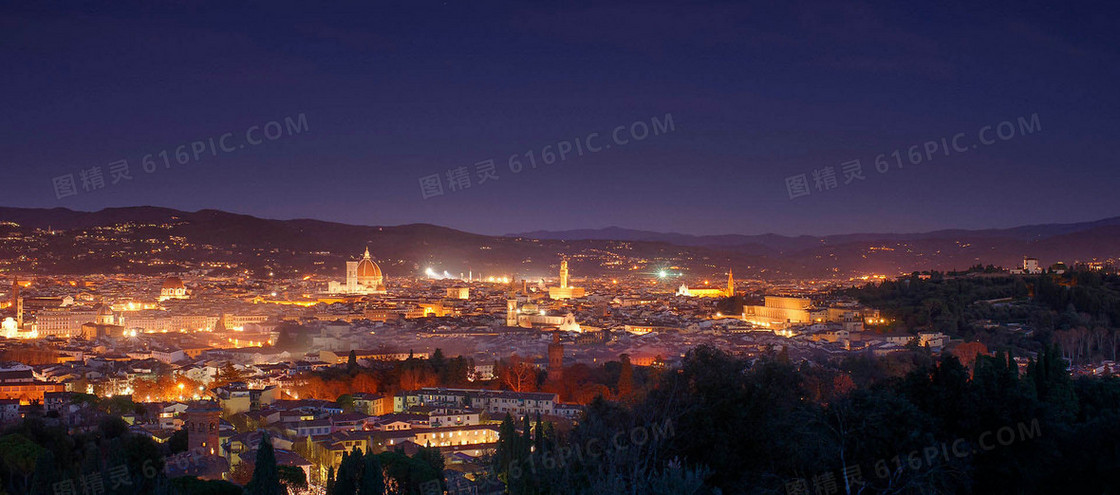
point(111, 240)
point(782, 243)
point(152, 239)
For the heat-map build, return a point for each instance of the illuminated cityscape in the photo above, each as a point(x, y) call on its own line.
point(454, 248)
point(387, 361)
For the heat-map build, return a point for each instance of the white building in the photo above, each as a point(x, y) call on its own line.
point(1030, 266)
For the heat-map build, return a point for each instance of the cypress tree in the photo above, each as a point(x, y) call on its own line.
point(45, 475)
point(507, 444)
point(349, 470)
point(373, 482)
point(526, 438)
point(266, 478)
point(538, 436)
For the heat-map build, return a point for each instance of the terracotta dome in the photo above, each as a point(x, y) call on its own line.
point(367, 268)
point(368, 271)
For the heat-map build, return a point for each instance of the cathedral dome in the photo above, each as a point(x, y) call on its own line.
point(173, 283)
point(367, 268)
point(369, 274)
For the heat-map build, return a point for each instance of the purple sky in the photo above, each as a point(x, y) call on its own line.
point(392, 94)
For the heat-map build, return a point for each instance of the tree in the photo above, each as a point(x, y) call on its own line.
point(112, 427)
point(438, 361)
point(190, 485)
point(507, 452)
point(228, 374)
point(731, 305)
point(292, 477)
point(625, 377)
point(352, 362)
point(364, 383)
point(432, 457)
point(406, 474)
point(20, 456)
point(266, 478)
point(538, 435)
point(518, 375)
point(1052, 382)
point(349, 473)
point(45, 475)
point(373, 480)
point(346, 402)
point(178, 442)
point(415, 374)
point(456, 371)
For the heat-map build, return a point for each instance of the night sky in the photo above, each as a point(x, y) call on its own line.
point(395, 93)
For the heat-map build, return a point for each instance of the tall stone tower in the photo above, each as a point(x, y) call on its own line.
point(17, 301)
point(201, 421)
point(564, 274)
point(730, 283)
point(511, 312)
point(555, 358)
point(351, 277)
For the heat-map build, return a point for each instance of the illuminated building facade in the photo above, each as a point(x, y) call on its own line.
point(728, 291)
point(62, 323)
point(173, 288)
point(1030, 267)
point(229, 321)
point(94, 331)
point(104, 324)
point(564, 291)
point(779, 312)
point(13, 328)
point(529, 316)
point(363, 277)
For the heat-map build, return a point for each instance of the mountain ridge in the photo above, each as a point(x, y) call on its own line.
point(626, 234)
point(105, 240)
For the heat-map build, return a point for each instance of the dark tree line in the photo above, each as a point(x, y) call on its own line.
point(386, 378)
point(1079, 310)
point(387, 473)
point(38, 458)
point(721, 423)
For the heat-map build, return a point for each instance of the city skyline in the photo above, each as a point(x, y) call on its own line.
point(664, 247)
